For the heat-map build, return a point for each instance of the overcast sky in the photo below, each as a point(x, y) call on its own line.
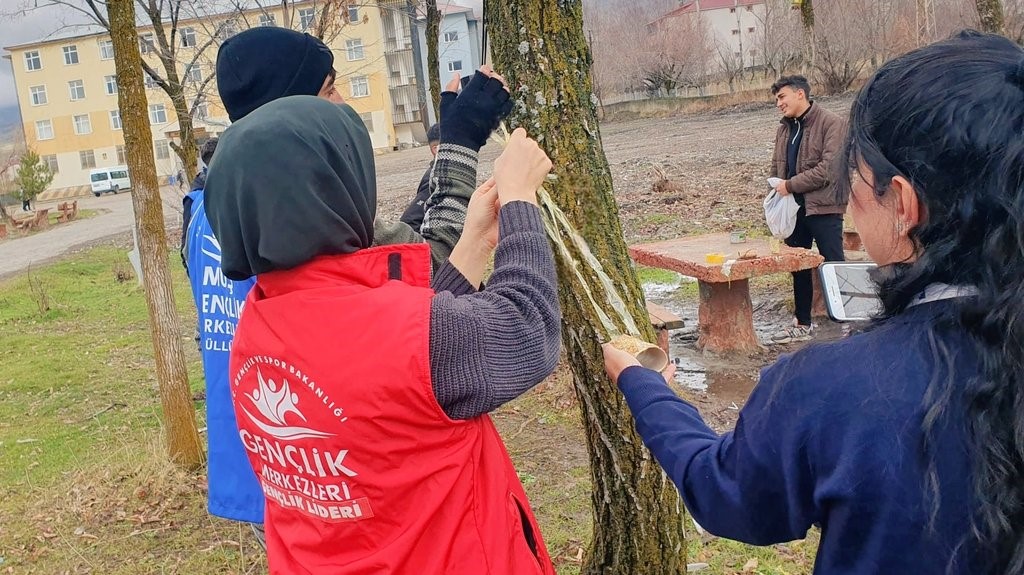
point(44, 22)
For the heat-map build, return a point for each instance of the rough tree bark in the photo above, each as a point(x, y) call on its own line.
point(540, 47)
point(810, 42)
point(179, 421)
point(991, 14)
point(433, 64)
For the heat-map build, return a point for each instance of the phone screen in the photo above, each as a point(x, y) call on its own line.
point(850, 291)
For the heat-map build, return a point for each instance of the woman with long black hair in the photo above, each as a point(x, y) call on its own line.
point(904, 443)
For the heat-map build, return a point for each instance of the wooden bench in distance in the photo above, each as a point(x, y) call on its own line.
point(68, 211)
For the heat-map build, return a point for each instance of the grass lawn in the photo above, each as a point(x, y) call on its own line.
point(84, 484)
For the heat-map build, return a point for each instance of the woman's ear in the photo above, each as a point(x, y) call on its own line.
point(908, 208)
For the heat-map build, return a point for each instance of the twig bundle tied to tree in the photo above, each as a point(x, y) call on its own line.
point(568, 240)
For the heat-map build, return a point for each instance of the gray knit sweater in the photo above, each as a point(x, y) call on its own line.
point(491, 346)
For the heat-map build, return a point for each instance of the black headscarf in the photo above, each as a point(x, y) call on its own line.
point(291, 181)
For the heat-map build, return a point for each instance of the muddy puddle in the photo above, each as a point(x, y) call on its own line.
point(724, 383)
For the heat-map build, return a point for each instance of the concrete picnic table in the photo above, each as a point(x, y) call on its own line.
point(725, 315)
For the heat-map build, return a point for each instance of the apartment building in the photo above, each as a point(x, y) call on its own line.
point(406, 81)
point(458, 45)
point(67, 87)
point(735, 26)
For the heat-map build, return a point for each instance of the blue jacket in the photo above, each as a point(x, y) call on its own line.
point(234, 491)
point(832, 436)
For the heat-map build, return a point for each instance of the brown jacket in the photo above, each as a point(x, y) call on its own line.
point(822, 142)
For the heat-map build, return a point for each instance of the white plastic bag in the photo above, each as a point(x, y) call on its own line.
point(780, 211)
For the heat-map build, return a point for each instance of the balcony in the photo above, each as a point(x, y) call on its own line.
point(401, 81)
point(410, 117)
point(392, 45)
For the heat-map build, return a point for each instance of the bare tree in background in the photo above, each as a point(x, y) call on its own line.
point(843, 50)
point(1015, 20)
point(183, 443)
point(990, 13)
point(778, 37)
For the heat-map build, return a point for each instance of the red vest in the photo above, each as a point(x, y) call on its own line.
point(362, 470)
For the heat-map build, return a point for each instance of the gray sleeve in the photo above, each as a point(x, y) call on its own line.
point(452, 183)
point(489, 347)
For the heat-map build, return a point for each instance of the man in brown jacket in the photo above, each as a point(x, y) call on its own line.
point(805, 145)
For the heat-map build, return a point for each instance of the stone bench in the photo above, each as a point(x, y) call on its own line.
point(725, 313)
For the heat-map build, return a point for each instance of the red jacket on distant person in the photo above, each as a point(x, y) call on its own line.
point(363, 471)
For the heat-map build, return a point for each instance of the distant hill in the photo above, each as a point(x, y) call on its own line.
point(9, 117)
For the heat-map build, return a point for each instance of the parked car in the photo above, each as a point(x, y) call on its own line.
point(112, 179)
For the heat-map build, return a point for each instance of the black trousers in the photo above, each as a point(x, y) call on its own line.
point(825, 230)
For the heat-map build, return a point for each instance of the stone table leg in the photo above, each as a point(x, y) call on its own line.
point(726, 318)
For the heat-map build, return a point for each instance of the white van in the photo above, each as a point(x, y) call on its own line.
point(112, 179)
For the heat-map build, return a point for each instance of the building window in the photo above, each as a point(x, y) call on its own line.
point(367, 119)
point(70, 55)
point(106, 50)
point(82, 125)
point(201, 111)
point(121, 158)
point(306, 18)
point(157, 114)
point(455, 66)
point(87, 158)
point(353, 14)
point(111, 82)
point(44, 130)
point(451, 36)
point(51, 163)
point(355, 49)
point(750, 30)
point(194, 73)
point(76, 88)
point(149, 80)
point(732, 10)
point(738, 55)
point(267, 20)
point(360, 86)
point(163, 151)
point(38, 94)
point(32, 61)
point(750, 8)
point(146, 44)
point(228, 29)
point(188, 38)
point(115, 119)
point(735, 32)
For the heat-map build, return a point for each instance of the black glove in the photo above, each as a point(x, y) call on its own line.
point(467, 119)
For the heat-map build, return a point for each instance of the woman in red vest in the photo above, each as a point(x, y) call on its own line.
point(362, 384)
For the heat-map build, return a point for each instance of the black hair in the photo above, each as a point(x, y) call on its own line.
point(207, 150)
point(434, 133)
point(795, 82)
point(949, 118)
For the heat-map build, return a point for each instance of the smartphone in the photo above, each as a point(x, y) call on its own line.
point(850, 293)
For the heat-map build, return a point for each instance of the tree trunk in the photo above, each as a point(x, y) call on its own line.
point(810, 43)
point(540, 47)
point(991, 14)
point(433, 72)
point(179, 420)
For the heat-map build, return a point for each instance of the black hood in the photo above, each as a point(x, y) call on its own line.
point(291, 181)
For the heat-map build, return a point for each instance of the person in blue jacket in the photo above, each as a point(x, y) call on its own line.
point(234, 491)
point(904, 442)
